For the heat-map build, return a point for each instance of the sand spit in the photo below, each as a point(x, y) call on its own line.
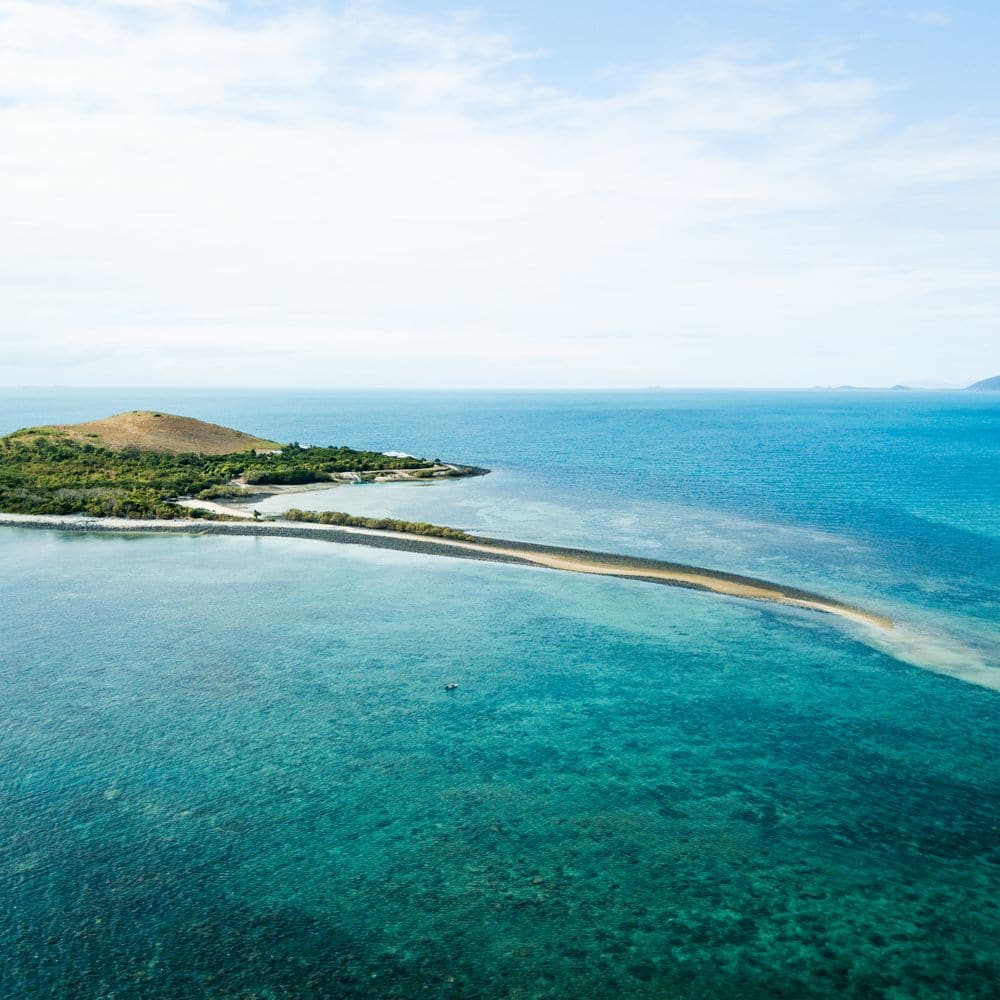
point(905, 642)
point(492, 550)
point(679, 575)
point(937, 653)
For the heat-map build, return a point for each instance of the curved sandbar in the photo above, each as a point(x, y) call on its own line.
point(677, 575)
point(487, 549)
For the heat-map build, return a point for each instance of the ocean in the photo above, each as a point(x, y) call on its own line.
point(229, 767)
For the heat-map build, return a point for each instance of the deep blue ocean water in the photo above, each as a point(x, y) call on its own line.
point(228, 766)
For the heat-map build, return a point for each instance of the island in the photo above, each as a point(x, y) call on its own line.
point(158, 472)
point(144, 464)
point(986, 385)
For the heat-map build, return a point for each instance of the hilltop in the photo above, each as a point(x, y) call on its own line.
point(150, 431)
point(986, 385)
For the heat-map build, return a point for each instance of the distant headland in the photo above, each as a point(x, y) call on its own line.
point(985, 385)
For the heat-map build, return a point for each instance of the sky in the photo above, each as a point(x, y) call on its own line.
point(757, 193)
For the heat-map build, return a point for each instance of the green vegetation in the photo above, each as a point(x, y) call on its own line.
point(225, 492)
point(296, 464)
point(378, 523)
point(44, 471)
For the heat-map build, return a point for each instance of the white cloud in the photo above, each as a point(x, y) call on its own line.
point(373, 198)
point(936, 18)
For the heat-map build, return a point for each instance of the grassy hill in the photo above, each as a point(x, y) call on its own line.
point(137, 464)
point(149, 431)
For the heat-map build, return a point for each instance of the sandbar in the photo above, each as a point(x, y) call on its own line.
point(486, 549)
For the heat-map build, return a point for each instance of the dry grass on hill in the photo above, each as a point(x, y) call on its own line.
point(150, 431)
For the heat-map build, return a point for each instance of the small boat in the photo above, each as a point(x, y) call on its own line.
point(450, 686)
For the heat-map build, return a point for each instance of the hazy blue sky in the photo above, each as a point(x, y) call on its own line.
point(733, 192)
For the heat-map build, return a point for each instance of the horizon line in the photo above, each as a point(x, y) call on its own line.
point(845, 387)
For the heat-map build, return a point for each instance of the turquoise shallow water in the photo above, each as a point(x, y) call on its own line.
point(229, 766)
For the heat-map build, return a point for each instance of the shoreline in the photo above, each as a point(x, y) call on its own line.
point(239, 504)
point(486, 550)
point(417, 475)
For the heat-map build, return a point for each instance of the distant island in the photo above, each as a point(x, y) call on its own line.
point(986, 385)
point(144, 464)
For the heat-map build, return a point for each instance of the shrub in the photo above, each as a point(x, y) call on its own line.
point(336, 517)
